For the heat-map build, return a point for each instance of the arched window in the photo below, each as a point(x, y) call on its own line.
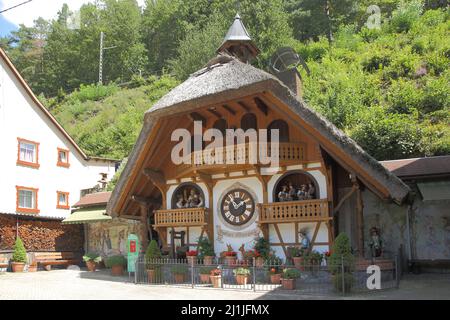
point(249, 121)
point(283, 128)
point(188, 195)
point(221, 125)
point(295, 186)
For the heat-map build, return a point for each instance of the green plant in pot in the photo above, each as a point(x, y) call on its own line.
point(242, 276)
point(116, 264)
point(205, 274)
point(297, 256)
point(206, 251)
point(289, 278)
point(91, 260)
point(313, 260)
point(341, 263)
point(179, 272)
point(19, 258)
point(152, 261)
point(262, 247)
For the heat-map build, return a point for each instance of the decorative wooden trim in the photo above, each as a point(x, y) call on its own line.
point(63, 207)
point(63, 164)
point(20, 162)
point(27, 210)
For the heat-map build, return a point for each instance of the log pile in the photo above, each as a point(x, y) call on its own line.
point(39, 235)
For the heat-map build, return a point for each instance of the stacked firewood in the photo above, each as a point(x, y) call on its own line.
point(41, 235)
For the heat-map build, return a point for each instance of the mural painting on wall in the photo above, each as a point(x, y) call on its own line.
point(295, 187)
point(188, 196)
point(111, 238)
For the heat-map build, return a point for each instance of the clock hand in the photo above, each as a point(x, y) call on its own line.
point(234, 204)
point(240, 204)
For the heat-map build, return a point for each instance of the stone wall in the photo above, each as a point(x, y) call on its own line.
point(40, 235)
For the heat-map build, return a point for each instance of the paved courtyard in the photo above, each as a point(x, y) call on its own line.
point(75, 285)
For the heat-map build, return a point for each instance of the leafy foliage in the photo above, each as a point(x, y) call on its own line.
point(115, 261)
point(19, 254)
point(205, 247)
point(94, 257)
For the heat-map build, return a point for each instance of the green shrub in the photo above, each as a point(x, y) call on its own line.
point(179, 269)
point(241, 271)
point(93, 92)
point(407, 13)
point(206, 270)
point(115, 261)
point(94, 257)
point(341, 254)
point(291, 273)
point(262, 246)
point(153, 252)
point(205, 248)
point(348, 281)
point(20, 254)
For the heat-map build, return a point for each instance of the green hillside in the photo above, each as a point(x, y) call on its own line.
point(388, 88)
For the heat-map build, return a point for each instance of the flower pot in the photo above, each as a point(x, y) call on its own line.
point(208, 260)
point(288, 284)
point(91, 266)
point(299, 263)
point(151, 274)
point(117, 270)
point(275, 278)
point(204, 278)
point(216, 281)
point(242, 279)
point(191, 260)
point(32, 268)
point(259, 262)
point(17, 266)
point(230, 261)
point(179, 277)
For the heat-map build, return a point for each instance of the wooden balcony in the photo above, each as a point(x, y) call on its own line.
point(239, 155)
point(295, 211)
point(191, 217)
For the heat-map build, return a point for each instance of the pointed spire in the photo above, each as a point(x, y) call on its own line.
point(238, 42)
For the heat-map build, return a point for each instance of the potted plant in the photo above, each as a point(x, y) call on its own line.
point(179, 272)
point(275, 275)
point(297, 256)
point(313, 260)
point(33, 266)
point(341, 263)
point(19, 258)
point(206, 251)
point(230, 256)
point(242, 276)
point(92, 259)
point(289, 278)
point(191, 256)
point(216, 278)
point(262, 247)
point(117, 264)
point(205, 273)
point(152, 254)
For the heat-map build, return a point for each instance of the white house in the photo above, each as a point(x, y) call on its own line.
point(42, 169)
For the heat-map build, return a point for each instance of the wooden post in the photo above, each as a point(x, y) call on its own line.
point(360, 220)
point(144, 227)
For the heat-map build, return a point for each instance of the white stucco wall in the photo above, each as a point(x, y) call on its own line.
point(20, 117)
point(225, 234)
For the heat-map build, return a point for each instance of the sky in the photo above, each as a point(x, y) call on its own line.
point(29, 12)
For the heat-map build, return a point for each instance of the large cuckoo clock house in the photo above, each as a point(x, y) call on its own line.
point(232, 203)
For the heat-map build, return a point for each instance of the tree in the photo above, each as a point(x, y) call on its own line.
point(20, 254)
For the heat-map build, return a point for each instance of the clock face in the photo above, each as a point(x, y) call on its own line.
point(237, 207)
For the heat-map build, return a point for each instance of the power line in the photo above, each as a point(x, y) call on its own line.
point(17, 5)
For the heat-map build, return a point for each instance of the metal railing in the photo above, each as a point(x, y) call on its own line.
point(315, 278)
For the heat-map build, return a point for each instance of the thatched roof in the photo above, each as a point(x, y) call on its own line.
point(226, 78)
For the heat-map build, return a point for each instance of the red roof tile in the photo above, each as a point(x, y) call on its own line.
point(99, 198)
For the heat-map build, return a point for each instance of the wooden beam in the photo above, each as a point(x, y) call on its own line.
point(262, 106)
point(145, 201)
point(275, 225)
point(215, 113)
point(229, 109)
point(157, 177)
point(195, 116)
point(341, 202)
point(316, 232)
point(128, 217)
point(360, 220)
point(244, 106)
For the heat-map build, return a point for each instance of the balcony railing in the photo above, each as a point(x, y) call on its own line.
point(289, 152)
point(181, 217)
point(295, 211)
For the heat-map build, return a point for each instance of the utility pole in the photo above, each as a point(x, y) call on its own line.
point(100, 64)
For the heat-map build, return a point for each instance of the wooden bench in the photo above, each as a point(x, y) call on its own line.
point(49, 259)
